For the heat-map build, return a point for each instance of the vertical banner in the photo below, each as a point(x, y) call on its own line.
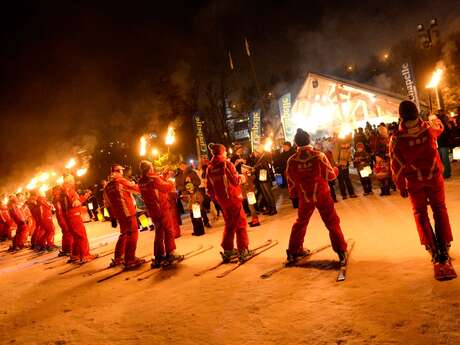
point(202, 148)
point(285, 105)
point(255, 128)
point(409, 80)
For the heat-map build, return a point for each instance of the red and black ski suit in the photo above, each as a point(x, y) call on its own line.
point(417, 169)
point(71, 205)
point(224, 188)
point(308, 172)
point(118, 194)
point(67, 239)
point(6, 223)
point(155, 192)
point(18, 216)
point(46, 223)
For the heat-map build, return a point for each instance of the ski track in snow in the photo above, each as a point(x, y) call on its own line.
point(389, 297)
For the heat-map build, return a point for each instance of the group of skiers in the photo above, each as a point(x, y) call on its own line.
point(416, 169)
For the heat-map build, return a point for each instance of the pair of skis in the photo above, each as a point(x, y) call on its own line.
point(145, 274)
point(236, 264)
point(341, 276)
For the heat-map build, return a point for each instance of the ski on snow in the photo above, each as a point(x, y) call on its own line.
point(257, 252)
point(186, 256)
point(80, 264)
point(221, 263)
point(342, 275)
point(294, 264)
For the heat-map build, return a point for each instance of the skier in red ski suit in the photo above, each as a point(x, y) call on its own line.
point(17, 214)
point(38, 232)
point(417, 172)
point(71, 204)
point(67, 239)
point(6, 223)
point(46, 224)
point(155, 192)
point(308, 172)
point(224, 188)
point(118, 194)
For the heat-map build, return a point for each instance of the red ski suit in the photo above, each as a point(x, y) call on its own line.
point(38, 231)
point(118, 194)
point(71, 205)
point(155, 192)
point(308, 172)
point(67, 239)
point(224, 188)
point(417, 168)
point(18, 216)
point(6, 223)
point(46, 223)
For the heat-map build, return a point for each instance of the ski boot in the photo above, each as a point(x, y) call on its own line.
point(172, 258)
point(343, 257)
point(157, 262)
point(72, 259)
point(51, 248)
point(116, 262)
point(245, 254)
point(443, 269)
point(254, 221)
point(62, 253)
point(133, 264)
point(292, 258)
point(229, 255)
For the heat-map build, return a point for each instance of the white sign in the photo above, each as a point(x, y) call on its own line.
point(196, 211)
point(251, 198)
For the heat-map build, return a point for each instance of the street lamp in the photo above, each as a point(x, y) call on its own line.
point(434, 82)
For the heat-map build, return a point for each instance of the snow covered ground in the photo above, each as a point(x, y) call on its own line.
point(389, 297)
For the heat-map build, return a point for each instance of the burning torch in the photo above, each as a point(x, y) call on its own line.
point(71, 163)
point(170, 138)
point(434, 82)
point(143, 147)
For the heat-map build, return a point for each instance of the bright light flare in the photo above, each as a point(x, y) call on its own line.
point(435, 79)
point(5, 200)
point(43, 177)
point(43, 188)
point(345, 131)
point(60, 180)
point(143, 147)
point(71, 163)
point(155, 152)
point(81, 172)
point(19, 190)
point(170, 136)
point(268, 145)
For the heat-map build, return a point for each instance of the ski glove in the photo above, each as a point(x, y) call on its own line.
point(295, 202)
point(114, 222)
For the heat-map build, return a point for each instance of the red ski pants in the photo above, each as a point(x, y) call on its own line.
point(326, 209)
point(80, 247)
point(37, 236)
point(430, 192)
point(67, 239)
point(5, 230)
point(235, 224)
point(47, 239)
point(164, 235)
point(127, 241)
point(21, 236)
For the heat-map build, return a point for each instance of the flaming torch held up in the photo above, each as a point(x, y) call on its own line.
point(71, 163)
point(143, 147)
point(434, 82)
point(268, 145)
point(81, 172)
point(170, 137)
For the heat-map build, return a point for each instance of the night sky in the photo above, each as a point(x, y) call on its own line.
point(80, 73)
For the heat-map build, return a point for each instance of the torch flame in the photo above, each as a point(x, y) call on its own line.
point(5, 200)
point(268, 145)
point(60, 180)
point(43, 177)
point(143, 147)
point(155, 152)
point(19, 190)
point(82, 171)
point(435, 79)
point(32, 184)
point(345, 131)
point(170, 136)
point(71, 163)
point(43, 189)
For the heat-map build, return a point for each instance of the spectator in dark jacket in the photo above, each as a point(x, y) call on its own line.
point(287, 152)
point(444, 143)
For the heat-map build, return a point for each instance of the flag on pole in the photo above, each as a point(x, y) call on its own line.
point(246, 45)
point(230, 60)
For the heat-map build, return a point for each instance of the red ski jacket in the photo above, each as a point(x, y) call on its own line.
point(4, 214)
point(413, 152)
point(69, 199)
point(16, 212)
point(222, 181)
point(382, 170)
point(45, 208)
point(118, 193)
point(155, 192)
point(308, 173)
